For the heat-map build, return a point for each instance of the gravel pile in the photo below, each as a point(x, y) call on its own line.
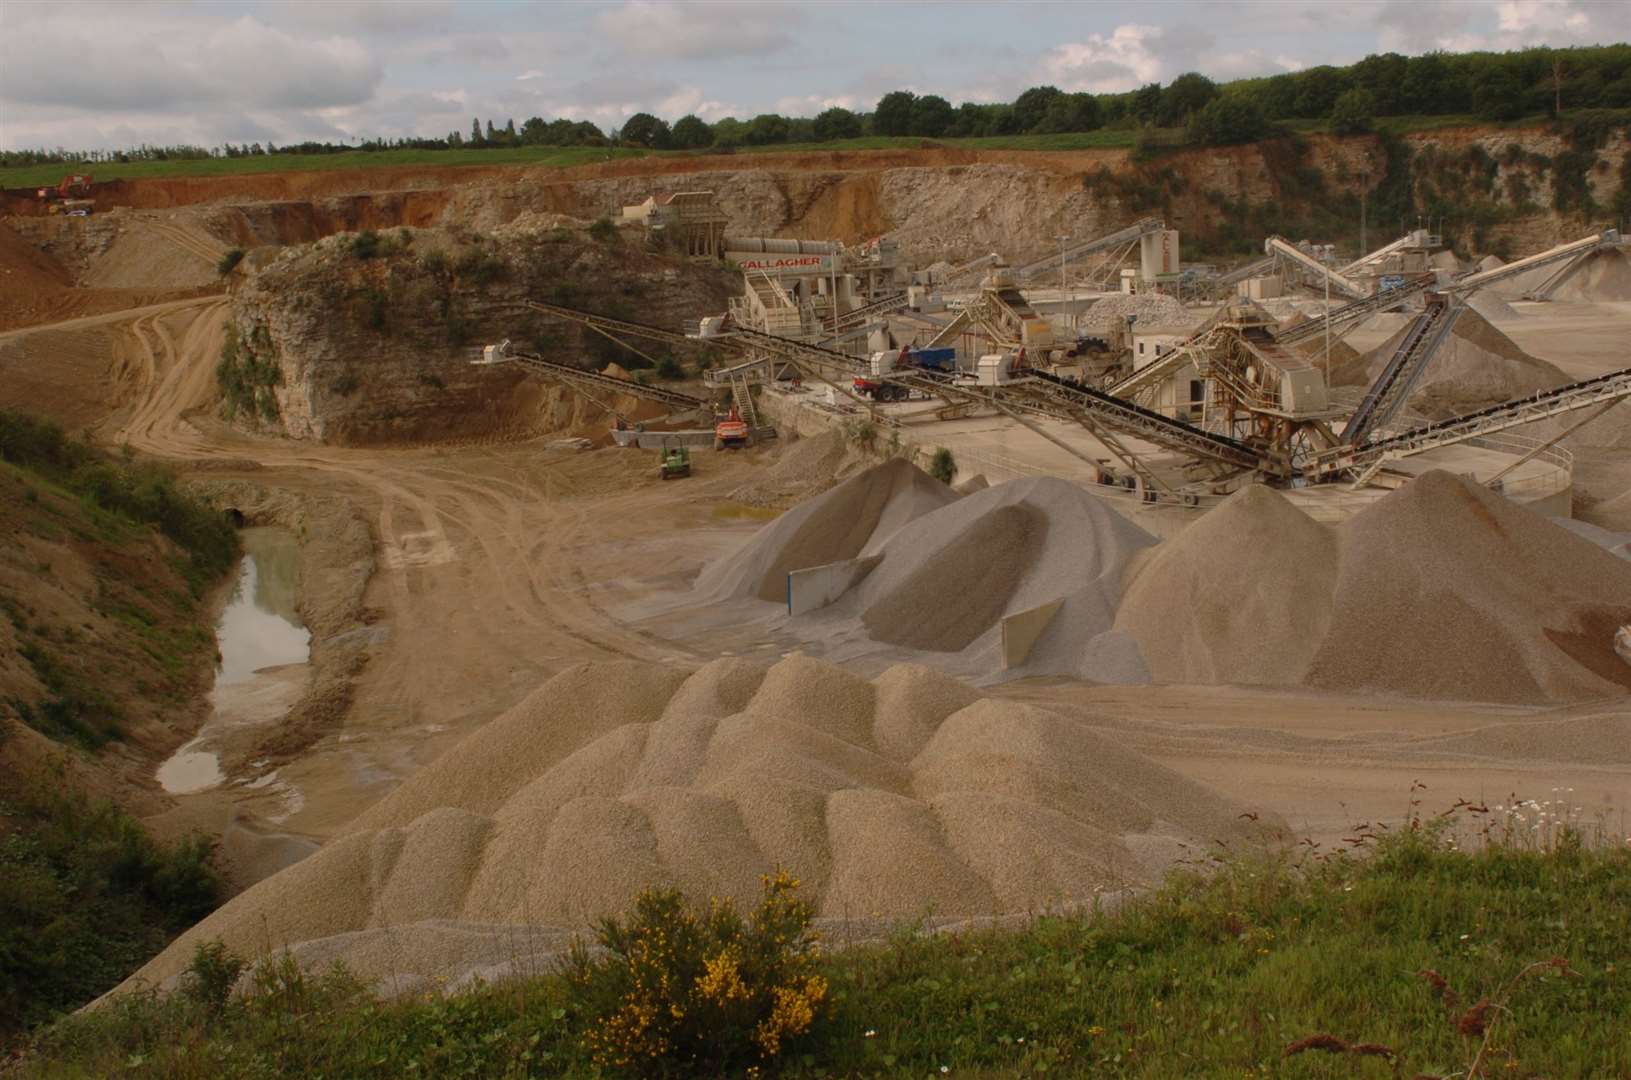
point(985, 561)
point(804, 467)
point(1478, 366)
point(1490, 305)
point(1241, 596)
point(852, 519)
point(949, 577)
point(1440, 590)
point(1152, 309)
point(889, 798)
point(1605, 277)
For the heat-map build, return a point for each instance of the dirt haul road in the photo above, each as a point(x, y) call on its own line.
point(494, 562)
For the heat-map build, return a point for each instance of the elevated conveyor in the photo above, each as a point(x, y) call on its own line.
point(1349, 315)
point(1283, 248)
point(1067, 398)
point(1120, 238)
point(593, 380)
point(1393, 387)
point(1602, 390)
point(1572, 250)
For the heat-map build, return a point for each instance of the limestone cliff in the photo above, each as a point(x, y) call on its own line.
point(370, 342)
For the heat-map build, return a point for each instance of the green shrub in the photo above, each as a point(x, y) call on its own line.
point(86, 896)
point(229, 261)
point(700, 992)
point(603, 230)
point(480, 266)
point(669, 368)
point(943, 467)
point(435, 261)
point(143, 492)
point(367, 245)
point(345, 384)
point(212, 975)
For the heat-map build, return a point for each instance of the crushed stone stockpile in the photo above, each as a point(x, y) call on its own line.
point(1228, 599)
point(947, 579)
point(1606, 277)
point(1440, 590)
point(888, 798)
point(1478, 366)
point(850, 520)
point(803, 467)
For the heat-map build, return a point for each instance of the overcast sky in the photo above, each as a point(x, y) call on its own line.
point(104, 74)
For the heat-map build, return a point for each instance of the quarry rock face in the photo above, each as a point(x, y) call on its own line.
point(375, 349)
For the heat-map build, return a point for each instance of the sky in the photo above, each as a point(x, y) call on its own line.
point(103, 74)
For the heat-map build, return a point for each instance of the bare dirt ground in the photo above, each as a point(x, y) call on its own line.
point(501, 564)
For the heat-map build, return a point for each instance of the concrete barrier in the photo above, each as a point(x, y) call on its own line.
point(1020, 631)
point(819, 586)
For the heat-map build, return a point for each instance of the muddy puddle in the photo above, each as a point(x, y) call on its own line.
point(263, 669)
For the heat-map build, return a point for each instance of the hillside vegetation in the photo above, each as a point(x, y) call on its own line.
point(105, 651)
point(1416, 960)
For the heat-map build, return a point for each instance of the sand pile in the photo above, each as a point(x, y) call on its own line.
point(1478, 366)
point(892, 798)
point(1615, 543)
point(802, 468)
point(977, 482)
point(1490, 305)
point(852, 519)
point(1441, 590)
point(1606, 277)
point(1445, 260)
point(1447, 590)
point(948, 578)
point(1228, 599)
point(1490, 262)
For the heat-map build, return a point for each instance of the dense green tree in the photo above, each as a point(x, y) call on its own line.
point(1031, 106)
point(931, 116)
point(837, 123)
point(730, 132)
point(893, 116)
point(1071, 112)
point(1317, 90)
point(1383, 75)
point(476, 138)
point(690, 133)
point(1225, 121)
point(644, 129)
point(1187, 95)
point(765, 129)
point(1354, 111)
point(1146, 103)
point(1497, 96)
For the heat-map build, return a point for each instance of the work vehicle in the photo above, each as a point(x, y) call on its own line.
point(676, 462)
point(73, 186)
point(732, 432)
point(941, 361)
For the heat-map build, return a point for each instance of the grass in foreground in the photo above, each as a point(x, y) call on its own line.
point(1419, 959)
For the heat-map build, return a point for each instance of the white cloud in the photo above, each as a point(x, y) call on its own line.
point(702, 29)
point(811, 104)
point(1124, 59)
point(157, 65)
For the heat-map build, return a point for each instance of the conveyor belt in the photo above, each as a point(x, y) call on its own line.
point(1398, 379)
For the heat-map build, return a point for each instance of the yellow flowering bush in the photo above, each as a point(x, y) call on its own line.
point(681, 989)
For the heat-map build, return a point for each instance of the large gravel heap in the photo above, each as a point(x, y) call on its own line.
point(850, 520)
point(889, 798)
point(1440, 590)
point(947, 580)
point(1478, 366)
